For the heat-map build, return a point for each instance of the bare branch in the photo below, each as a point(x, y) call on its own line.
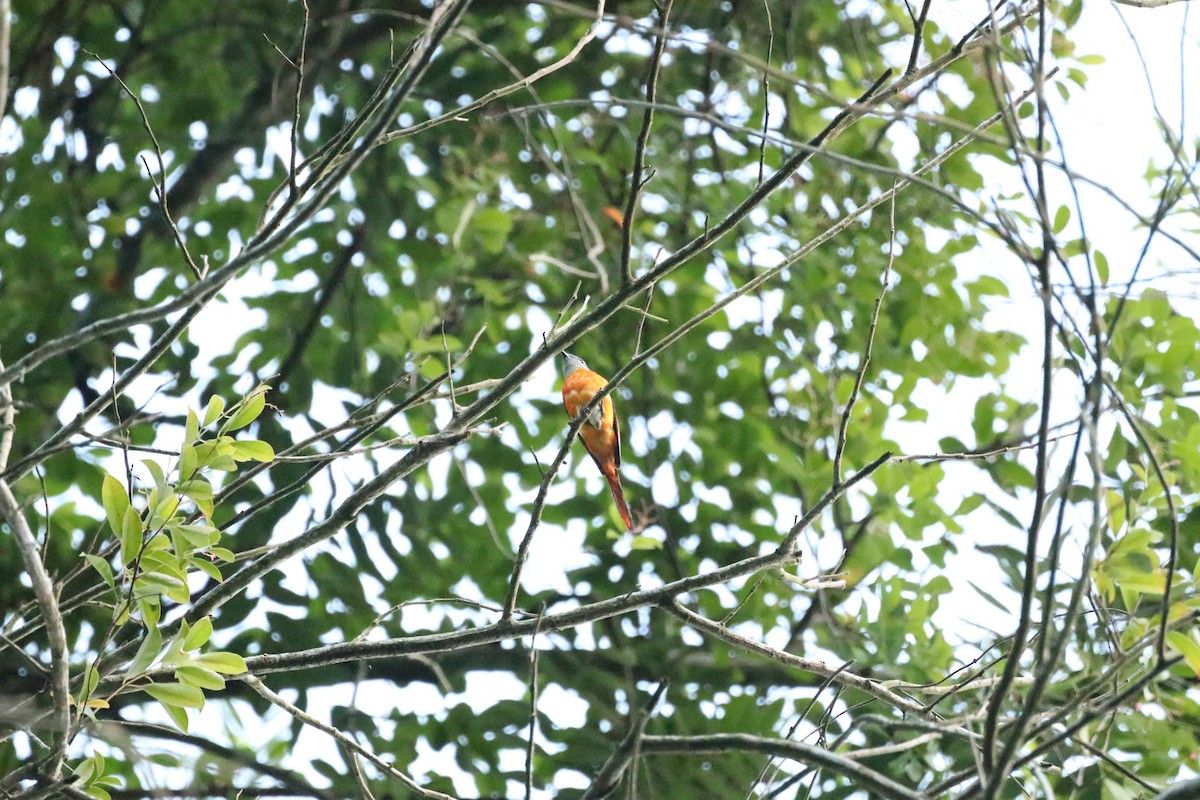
point(160, 186)
point(866, 359)
point(918, 36)
point(341, 738)
point(5, 32)
point(47, 601)
point(610, 773)
point(639, 151)
point(1148, 3)
point(533, 713)
point(291, 781)
point(839, 675)
point(457, 114)
point(875, 783)
point(487, 634)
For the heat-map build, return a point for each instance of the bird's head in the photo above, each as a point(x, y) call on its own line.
point(571, 363)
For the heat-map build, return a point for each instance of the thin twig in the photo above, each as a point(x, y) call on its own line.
point(611, 772)
point(918, 36)
point(241, 758)
point(825, 684)
point(843, 429)
point(646, 315)
point(875, 783)
point(636, 182)
point(834, 493)
point(1172, 516)
point(766, 90)
point(840, 675)
point(296, 102)
point(535, 516)
point(341, 738)
point(457, 114)
point(995, 764)
point(160, 186)
point(984, 454)
point(533, 712)
point(5, 32)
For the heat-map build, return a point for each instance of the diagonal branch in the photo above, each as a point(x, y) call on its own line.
point(866, 360)
point(639, 152)
point(839, 675)
point(611, 772)
point(341, 738)
point(863, 778)
point(291, 781)
point(489, 634)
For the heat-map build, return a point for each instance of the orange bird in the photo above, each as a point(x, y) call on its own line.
point(601, 431)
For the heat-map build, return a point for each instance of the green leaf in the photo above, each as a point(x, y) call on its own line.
point(1101, 261)
point(178, 695)
point(101, 764)
point(164, 510)
point(221, 661)
point(147, 653)
point(253, 450)
point(223, 553)
point(187, 462)
point(197, 535)
point(157, 474)
point(150, 610)
point(207, 567)
point(198, 635)
point(177, 715)
point(1114, 790)
point(200, 677)
point(645, 543)
point(200, 492)
point(91, 679)
point(85, 770)
point(1187, 647)
point(198, 489)
point(214, 410)
point(131, 536)
point(247, 411)
point(116, 502)
point(103, 567)
point(191, 428)
point(159, 582)
point(969, 504)
point(492, 226)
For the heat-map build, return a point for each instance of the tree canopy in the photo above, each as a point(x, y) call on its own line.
point(291, 503)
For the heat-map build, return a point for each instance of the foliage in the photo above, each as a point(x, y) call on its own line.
point(282, 437)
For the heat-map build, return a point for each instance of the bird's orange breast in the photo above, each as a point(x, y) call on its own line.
point(578, 389)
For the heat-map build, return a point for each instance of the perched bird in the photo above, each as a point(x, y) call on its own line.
point(601, 432)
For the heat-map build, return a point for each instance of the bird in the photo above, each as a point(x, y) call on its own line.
point(601, 431)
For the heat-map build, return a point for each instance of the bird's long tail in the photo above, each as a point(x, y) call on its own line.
point(614, 483)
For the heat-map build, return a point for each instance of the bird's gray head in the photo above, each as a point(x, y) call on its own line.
point(571, 363)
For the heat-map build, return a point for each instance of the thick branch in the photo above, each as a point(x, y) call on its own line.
point(488, 634)
point(43, 590)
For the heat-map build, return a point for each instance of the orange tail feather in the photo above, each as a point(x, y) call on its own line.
point(614, 483)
